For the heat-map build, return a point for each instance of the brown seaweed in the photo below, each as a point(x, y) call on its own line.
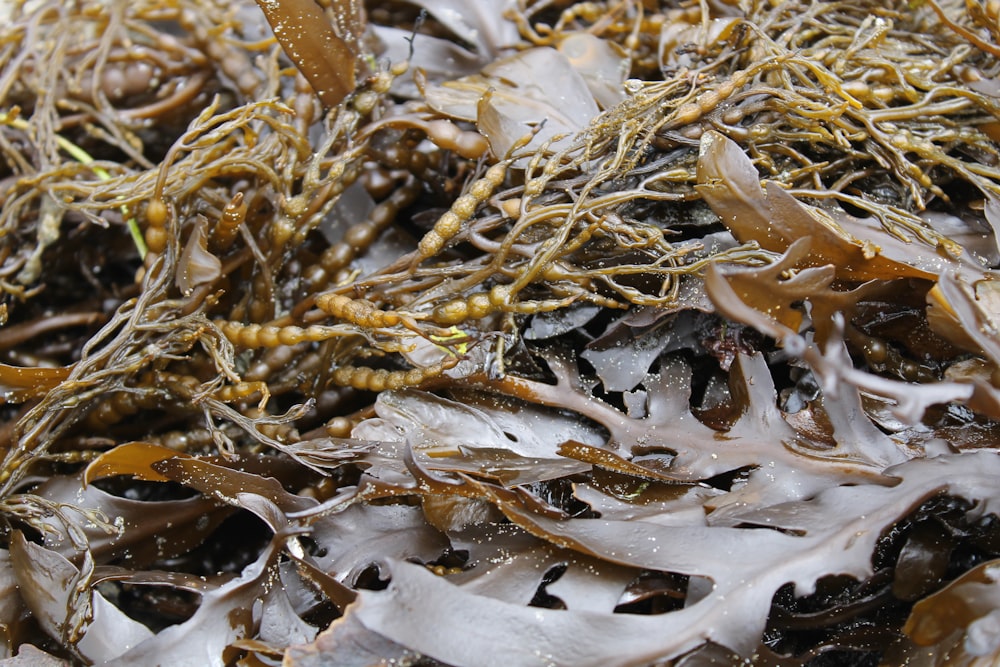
point(643, 334)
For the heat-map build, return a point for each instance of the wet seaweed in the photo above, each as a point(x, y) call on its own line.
point(645, 333)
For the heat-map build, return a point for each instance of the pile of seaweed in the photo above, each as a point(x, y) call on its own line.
point(480, 332)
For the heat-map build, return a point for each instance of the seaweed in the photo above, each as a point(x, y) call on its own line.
point(476, 333)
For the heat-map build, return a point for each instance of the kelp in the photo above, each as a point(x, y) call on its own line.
point(475, 333)
point(600, 638)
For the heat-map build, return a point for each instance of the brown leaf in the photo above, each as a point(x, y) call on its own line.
point(496, 436)
point(480, 628)
point(505, 562)
point(131, 458)
point(149, 530)
point(603, 458)
point(348, 643)
point(18, 384)
point(364, 534)
point(482, 23)
point(624, 353)
point(307, 38)
point(224, 615)
point(11, 606)
point(923, 561)
point(859, 249)
point(591, 584)
point(279, 623)
point(226, 483)
point(515, 95)
point(55, 591)
point(970, 605)
point(603, 64)
point(689, 451)
point(967, 314)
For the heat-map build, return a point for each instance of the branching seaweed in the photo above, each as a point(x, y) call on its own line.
point(649, 333)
